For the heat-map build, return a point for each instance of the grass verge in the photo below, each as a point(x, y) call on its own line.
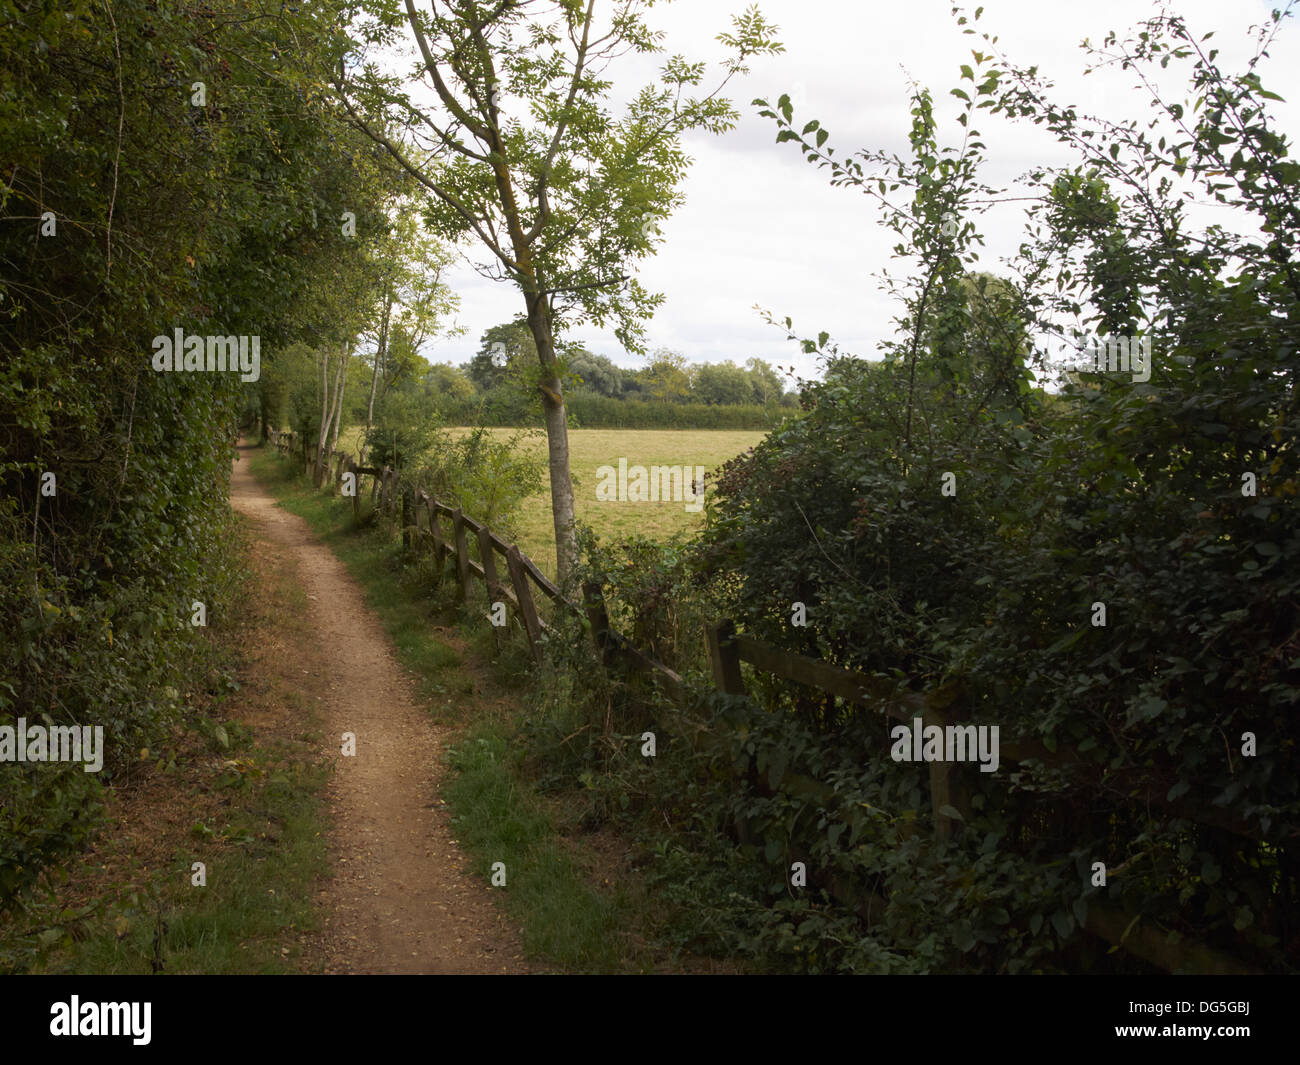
point(238, 787)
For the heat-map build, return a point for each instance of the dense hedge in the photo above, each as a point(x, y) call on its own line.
point(197, 217)
point(1112, 573)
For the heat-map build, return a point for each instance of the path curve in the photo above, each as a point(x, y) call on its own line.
point(399, 900)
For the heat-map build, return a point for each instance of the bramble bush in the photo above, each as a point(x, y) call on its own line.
point(1116, 492)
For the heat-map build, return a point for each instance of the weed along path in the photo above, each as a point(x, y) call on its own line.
point(400, 899)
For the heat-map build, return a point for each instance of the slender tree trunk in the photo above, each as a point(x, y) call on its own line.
point(332, 403)
point(540, 325)
point(557, 439)
point(381, 353)
point(324, 411)
point(342, 385)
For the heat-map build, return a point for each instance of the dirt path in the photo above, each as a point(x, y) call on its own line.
point(400, 900)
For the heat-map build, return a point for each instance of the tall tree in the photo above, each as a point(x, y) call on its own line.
point(667, 378)
point(766, 382)
point(520, 152)
point(596, 373)
point(503, 351)
point(722, 383)
point(414, 300)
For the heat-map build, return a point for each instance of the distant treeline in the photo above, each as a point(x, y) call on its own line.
point(591, 411)
point(497, 387)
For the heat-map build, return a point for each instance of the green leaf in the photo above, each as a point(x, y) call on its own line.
point(1211, 872)
point(776, 766)
point(1128, 928)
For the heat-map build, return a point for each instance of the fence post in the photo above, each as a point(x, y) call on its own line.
point(594, 602)
point(947, 787)
point(488, 557)
point(356, 489)
point(418, 499)
point(524, 594)
point(725, 657)
point(406, 516)
point(439, 548)
point(462, 555)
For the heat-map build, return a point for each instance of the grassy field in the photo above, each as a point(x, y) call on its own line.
point(592, 448)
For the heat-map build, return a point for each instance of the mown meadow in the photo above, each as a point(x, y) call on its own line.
point(591, 449)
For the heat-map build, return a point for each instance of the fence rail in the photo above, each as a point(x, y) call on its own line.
point(727, 650)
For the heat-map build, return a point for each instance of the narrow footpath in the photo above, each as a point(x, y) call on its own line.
point(401, 899)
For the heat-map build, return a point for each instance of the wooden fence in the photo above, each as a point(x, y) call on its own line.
point(421, 517)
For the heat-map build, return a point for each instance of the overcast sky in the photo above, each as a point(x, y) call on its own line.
point(762, 227)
